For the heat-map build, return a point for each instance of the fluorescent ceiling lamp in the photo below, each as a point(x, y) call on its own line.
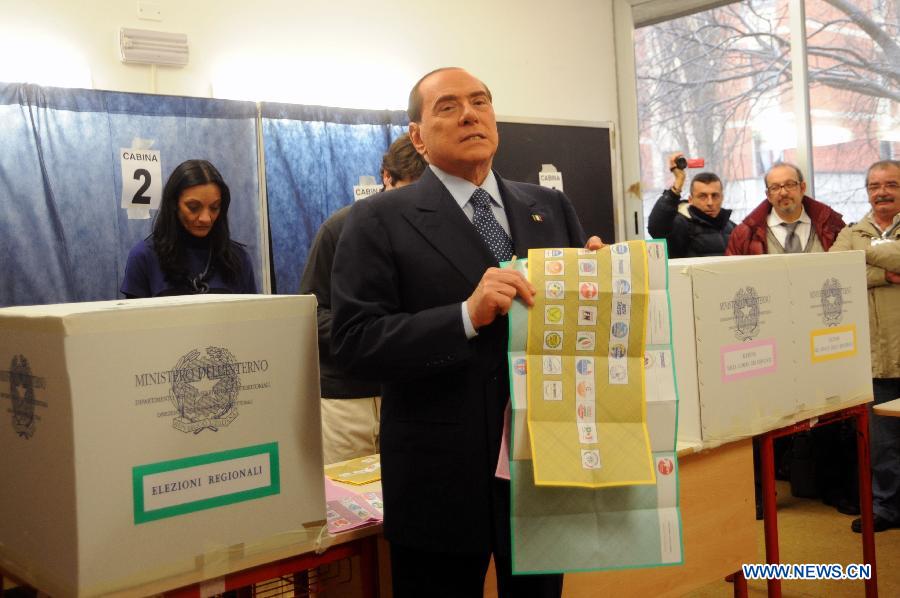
point(153, 47)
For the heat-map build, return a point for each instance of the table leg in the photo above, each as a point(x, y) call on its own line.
point(865, 496)
point(301, 583)
point(368, 567)
point(740, 584)
point(770, 517)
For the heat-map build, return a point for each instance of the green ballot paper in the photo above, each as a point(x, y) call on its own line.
point(599, 502)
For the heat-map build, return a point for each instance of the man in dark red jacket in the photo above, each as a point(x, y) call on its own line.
point(788, 221)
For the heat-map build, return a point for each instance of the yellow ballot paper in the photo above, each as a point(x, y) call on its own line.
point(587, 412)
point(359, 471)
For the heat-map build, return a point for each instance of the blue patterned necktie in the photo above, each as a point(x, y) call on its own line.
point(792, 241)
point(487, 226)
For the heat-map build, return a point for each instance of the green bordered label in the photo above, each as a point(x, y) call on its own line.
point(180, 486)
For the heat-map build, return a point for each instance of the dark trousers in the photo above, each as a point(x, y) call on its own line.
point(884, 441)
point(819, 463)
point(418, 573)
point(837, 475)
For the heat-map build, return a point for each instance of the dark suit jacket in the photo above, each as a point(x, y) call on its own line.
point(406, 260)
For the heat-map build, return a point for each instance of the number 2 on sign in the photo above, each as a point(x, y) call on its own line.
point(139, 197)
point(141, 178)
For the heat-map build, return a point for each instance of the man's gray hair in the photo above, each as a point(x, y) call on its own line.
point(882, 164)
point(789, 165)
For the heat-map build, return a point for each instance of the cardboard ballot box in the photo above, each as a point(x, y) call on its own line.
point(762, 342)
point(150, 438)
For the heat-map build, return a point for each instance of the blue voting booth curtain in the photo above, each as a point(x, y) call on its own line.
point(63, 235)
point(314, 156)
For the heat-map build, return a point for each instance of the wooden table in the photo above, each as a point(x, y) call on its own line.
point(718, 516)
point(718, 527)
point(889, 409)
point(366, 543)
point(289, 559)
point(362, 543)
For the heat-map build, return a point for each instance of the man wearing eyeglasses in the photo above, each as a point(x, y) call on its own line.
point(878, 233)
point(788, 221)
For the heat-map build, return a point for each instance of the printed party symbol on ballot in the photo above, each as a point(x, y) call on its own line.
point(554, 289)
point(552, 340)
point(554, 267)
point(588, 290)
point(585, 366)
point(553, 314)
point(552, 365)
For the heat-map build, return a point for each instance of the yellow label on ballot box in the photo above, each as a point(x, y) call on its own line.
point(832, 343)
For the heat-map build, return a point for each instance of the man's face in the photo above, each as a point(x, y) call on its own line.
point(458, 130)
point(785, 192)
point(707, 197)
point(883, 187)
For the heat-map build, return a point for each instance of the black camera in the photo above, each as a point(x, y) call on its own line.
point(681, 163)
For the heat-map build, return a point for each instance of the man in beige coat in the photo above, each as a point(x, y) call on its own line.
point(878, 233)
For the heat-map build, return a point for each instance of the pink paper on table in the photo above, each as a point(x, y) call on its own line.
point(349, 510)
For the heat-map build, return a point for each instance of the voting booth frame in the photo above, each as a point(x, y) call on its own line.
point(860, 416)
point(751, 361)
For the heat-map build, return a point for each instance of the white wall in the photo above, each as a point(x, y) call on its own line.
point(541, 60)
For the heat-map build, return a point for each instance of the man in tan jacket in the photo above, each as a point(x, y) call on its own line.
point(878, 233)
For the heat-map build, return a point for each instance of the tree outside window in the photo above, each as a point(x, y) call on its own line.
point(718, 85)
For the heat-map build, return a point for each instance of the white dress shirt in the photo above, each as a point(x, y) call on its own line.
point(462, 191)
point(805, 224)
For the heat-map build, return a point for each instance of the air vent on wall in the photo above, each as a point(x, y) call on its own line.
point(153, 47)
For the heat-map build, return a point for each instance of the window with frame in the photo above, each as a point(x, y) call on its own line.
point(718, 85)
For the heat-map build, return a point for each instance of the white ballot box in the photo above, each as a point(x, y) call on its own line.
point(154, 438)
point(762, 342)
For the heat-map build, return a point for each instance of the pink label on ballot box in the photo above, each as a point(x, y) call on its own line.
point(745, 360)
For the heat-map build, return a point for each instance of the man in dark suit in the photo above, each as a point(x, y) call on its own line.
point(420, 304)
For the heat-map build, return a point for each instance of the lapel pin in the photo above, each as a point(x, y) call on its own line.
point(537, 217)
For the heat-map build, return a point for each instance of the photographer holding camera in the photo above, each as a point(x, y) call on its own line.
point(696, 227)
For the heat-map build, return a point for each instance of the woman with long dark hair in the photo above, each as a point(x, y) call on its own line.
point(190, 250)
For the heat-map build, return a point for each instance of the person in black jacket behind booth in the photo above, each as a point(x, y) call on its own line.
point(350, 407)
point(696, 227)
